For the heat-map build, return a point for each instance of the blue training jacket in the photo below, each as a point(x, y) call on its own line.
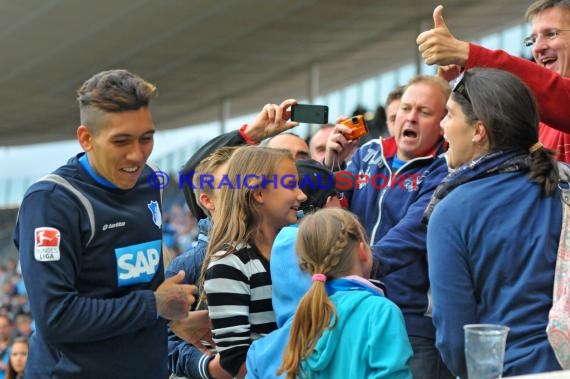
point(91, 257)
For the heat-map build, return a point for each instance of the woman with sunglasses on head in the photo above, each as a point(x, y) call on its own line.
point(494, 223)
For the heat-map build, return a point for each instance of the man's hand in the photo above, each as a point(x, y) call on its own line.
point(173, 300)
point(272, 120)
point(439, 46)
point(338, 148)
point(194, 329)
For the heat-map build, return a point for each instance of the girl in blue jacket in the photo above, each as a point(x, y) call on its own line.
point(344, 327)
point(493, 235)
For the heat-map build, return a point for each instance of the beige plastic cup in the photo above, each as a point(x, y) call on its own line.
point(485, 350)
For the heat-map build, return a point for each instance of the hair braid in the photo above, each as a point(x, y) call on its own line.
point(332, 259)
point(326, 245)
point(544, 170)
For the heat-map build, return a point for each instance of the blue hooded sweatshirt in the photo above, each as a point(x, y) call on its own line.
point(492, 254)
point(359, 310)
point(289, 284)
point(369, 339)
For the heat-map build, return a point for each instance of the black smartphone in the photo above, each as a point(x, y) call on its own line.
point(310, 114)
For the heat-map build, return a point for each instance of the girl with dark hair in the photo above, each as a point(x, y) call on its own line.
point(494, 223)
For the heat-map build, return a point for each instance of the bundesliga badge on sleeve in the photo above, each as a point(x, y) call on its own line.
point(46, 247)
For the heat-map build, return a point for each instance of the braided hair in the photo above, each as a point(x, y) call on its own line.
point(326, 244)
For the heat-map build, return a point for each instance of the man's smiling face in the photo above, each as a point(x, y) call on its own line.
point(554, 54)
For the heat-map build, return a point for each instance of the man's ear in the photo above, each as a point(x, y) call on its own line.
point(85, 138)
point(206, 202)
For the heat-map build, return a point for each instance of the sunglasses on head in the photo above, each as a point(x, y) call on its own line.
point(461, 89)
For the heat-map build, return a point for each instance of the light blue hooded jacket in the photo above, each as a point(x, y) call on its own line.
point(289, 284)
point(368, 341)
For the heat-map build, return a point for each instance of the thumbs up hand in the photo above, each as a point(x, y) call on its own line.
point(439, 46)
point(438, 17)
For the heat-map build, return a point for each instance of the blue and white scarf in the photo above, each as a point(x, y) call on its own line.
point(488, 164)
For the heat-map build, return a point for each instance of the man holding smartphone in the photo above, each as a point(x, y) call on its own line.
point(392, 211)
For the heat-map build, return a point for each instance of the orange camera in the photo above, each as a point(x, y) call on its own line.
point(358, 126)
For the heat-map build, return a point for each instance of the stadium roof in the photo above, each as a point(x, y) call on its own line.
point(202, 52)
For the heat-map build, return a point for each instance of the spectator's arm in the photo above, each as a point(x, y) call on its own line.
point(551, 90)
point(402, 245)
point(186, 360)
point(389, 327)
point(338, 148)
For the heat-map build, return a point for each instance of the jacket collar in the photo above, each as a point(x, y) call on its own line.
point(390, 148)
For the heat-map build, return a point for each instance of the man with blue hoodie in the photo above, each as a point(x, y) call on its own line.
point(394, 179)
point(90, 241)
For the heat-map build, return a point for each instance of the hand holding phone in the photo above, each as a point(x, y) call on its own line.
point(310, 114)
point(358, 126)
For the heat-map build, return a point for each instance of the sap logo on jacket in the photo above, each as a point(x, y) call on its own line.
point(137, 263)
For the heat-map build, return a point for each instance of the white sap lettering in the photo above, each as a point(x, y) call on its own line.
point(125, 265)
point(146, 263)
point(141, 264)
point(154, 259)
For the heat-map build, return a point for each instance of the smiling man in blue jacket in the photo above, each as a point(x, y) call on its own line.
point(90, 243)
point(392, 182)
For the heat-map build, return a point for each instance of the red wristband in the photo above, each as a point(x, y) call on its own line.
point(248, 140)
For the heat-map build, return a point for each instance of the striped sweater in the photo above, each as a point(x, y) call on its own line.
point(238, 289)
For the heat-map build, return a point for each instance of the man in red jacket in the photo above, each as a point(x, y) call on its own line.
point(548, 78)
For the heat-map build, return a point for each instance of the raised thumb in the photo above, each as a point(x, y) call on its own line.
point(438, 17)
point(178, 278)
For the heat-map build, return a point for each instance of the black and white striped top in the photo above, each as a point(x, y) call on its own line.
point(238, 289)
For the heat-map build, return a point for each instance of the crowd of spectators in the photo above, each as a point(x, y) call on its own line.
point(15, 317)
point(180, 227)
